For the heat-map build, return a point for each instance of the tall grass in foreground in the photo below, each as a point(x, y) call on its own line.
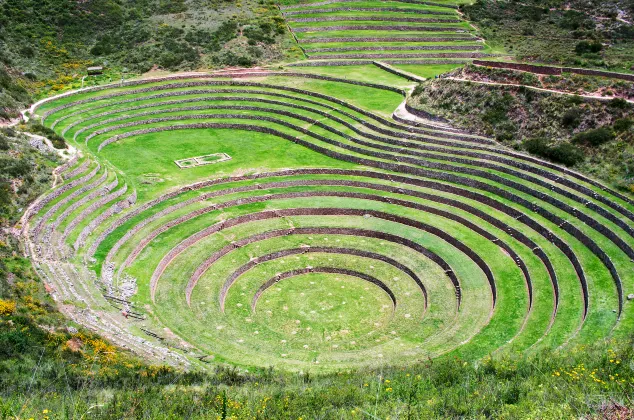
point(49, 370)
point(584, 381)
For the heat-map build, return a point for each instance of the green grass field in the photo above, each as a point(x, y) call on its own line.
point(334, 237)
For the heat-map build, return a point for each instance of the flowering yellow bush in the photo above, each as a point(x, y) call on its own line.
point(7, 307)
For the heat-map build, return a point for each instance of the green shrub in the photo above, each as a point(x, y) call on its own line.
point(418, 90)
point(595, 137)
point(576, 100)
point(622, 124)
point(588, 47)
point(564, 153)
point(4, 143)
point(571, 118)
point(57, 140)
point(619, 103)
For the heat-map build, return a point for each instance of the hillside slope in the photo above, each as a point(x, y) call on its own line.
point(45, 46)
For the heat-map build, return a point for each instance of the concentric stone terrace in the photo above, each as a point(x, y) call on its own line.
point(337, 235)
point(403, 32)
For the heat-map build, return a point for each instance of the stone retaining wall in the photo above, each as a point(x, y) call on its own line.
point(327, 2)
point(411, 28)
point(112, 210)
point(365, 9)
point(295, 251)
point(398, 48)
point(329, 63)
point(331, 270)
point(372, 19)
point(388, 39)
point(397, 55)
point(434, 175)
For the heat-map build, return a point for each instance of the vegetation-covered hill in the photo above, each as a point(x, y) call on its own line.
point(286, 244)
point(592, 135)
point(589, 33)
point(45, 46)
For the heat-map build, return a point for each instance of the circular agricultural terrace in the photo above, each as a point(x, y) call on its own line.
point(305, 227)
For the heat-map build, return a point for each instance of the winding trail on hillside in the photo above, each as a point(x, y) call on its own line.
point(558, 92)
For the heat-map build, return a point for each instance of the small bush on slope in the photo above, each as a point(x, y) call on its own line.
point(25, 173)
point(594, 137)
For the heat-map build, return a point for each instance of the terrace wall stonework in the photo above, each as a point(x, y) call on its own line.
point(365, 9)
point(360, 62)
point(377, 28)
point(389, 55)
point(389, 39)
point(373, 19)
point(436, 175)
point(327, 2)
point(397, 48)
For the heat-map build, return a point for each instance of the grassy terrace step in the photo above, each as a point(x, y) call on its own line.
point(397, 55)
point(369, 18)
point(340, 62)
point(327, 27)
point(396, 142)
point(335, 235)
point(387, 38)
point(395, 47)
point(576, 233)
point(339, 10)
point(439, 5)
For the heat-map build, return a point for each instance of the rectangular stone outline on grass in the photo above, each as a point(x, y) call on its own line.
point(199, 160)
